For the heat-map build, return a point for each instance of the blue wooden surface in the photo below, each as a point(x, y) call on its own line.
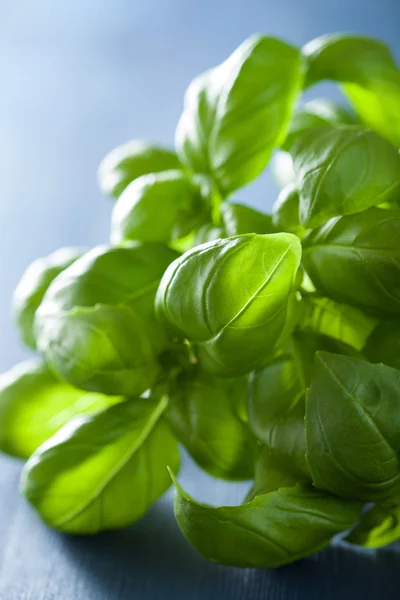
point(152, 561)
point(77, 78)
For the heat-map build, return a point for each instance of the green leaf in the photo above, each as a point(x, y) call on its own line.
point(158, 207)
point(238, 112)
point(276, 413)
point(353, 428)
point(377, 527)
point(276, 409)
point(317, 113)
point(285, 212)
point(272, 530)
point(356, 259)
point(238, 219)
point(203, 414)
point(102, 471)
point(34, 405)
point(96, 325)
point(130, 161)
point(271, 473)
point(343, 170)
point(370, 77)
point(341, 322)
point(383, 345)
point(33, 285)
point(231, 297)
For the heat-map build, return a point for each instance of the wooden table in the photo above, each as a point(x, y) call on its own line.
point(152, 561)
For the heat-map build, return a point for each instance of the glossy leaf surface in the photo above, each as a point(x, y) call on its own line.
point(353, 428)
point(129, 161)
point(356, 259)
point(159, 207)
point(96, 325)
point(33, 286)
point(343, 170)
point(34, 405)
point(103, 471)
point(272, 530)
point(230, 297)
point(238, 112)
point(203, 414)
point(369, 74)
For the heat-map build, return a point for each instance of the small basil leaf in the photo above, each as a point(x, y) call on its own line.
point(33, 285)
point(370, 77)
point(317, 113)
point(271, 473)
point(272, 530)
point(285, 212)
point(346, 324)
point(355, 259)
point(343, 170)
point(158, 207)
point(203, 415)
point(90, 476)
point(238, 112)
point(353, 425)
point(238, 219)
point(34, 405)
point(96, 325)
point(377, 527)
point(130, 161)
point(231, 298)
point(383, 345)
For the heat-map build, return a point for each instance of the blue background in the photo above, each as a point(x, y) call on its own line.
point(77, 78)
point(81, 76)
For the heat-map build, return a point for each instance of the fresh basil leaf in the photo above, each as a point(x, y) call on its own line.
point(132, 160)
point(346, 324)
point(231, 297)
point(96, 325)
point(377, 527)
point(368, 72)
point(343, 170)
point(238, 219)
point(355, 259)
point(285, 212)
point(158, 207)
point(353, 425)
point(34, 405)
point(276, 405)
point(317, 113)
point(383, 345)
point(276, 412)
point(271, 473)
point(203, 414)
point(238, 112)
point(272, 530)
point(102, 471)
point(33, 285)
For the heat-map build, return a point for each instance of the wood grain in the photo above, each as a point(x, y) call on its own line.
point(152, 560)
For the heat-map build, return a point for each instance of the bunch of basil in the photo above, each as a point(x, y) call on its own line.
point(267, 345)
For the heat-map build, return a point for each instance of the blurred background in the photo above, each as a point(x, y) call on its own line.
point(79, 77)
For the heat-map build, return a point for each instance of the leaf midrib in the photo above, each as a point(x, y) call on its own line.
point(152, 421)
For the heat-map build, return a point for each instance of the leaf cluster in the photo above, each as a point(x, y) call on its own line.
point(266, 345)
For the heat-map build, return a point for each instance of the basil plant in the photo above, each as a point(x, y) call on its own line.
point(266, 345)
